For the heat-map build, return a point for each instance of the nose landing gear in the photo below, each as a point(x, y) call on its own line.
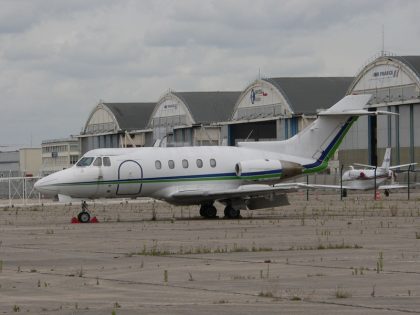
point(84, 215)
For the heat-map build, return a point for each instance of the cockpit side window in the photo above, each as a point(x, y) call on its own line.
point(85, 161)
point(98, 162)
point(106, 161)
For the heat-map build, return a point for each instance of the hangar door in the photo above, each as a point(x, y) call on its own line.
point(254, 131)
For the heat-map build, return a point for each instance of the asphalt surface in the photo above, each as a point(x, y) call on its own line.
point(322, 256)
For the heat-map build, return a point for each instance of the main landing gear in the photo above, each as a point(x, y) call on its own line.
point(232, 213)
point(209, 211)
point(84, 216)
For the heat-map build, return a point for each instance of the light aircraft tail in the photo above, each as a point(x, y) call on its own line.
point(318, 141)
point(386, 163)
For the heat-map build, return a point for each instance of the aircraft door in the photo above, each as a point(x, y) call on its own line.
point(130, 175)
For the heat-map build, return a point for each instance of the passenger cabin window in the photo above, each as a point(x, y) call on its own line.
point(85, 161)
point(107, 161)
point(185, 163)
point(171, 164)
point(212, 162)
point(199, 163)
point(98, 162)
point(158, 164)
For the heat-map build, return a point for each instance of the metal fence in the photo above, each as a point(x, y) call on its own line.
point(18, 190)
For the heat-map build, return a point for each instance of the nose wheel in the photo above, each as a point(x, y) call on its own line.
point(84, 215)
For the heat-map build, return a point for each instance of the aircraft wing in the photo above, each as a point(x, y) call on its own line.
point(402, 165)
point(316, 186)
point(394, 186)
point(364, 165)
point(244, 191)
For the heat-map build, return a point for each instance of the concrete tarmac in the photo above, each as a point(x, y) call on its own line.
point(322, 256)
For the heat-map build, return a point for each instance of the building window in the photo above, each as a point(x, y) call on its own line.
point(158, 164)
point(212, 162)
point(199, 163)
point(73, 159)
point(171, 164)
point(107, 161)
point(185, 163)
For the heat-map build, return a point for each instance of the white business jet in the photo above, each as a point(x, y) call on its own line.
point(364, 179)
point(246, 176)
point(369, 176)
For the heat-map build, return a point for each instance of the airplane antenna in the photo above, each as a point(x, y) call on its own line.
point(249, 135)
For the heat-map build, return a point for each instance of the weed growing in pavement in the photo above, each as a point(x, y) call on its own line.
point(340, 293)
point(81, 272)
point(267, 294)
point(321, 246)
point(380, 263)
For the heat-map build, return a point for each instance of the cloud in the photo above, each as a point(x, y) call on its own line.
point(59, 58)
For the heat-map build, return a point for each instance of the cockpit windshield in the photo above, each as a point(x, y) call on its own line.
point(85, 161)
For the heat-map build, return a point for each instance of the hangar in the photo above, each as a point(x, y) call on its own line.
point(114, 125)
point(394, 82)
point(192, 118)
point(278, 108)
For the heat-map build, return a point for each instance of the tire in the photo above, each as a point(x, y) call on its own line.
point(232, 213)
point(83, 217)
point(211, 212)
point(208, 211)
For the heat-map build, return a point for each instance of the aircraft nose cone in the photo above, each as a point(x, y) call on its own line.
point(46, 185)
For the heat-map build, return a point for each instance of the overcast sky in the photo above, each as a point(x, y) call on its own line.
point(58, 59)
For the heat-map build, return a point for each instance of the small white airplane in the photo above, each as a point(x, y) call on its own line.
point(364, 179)
point(246, 176)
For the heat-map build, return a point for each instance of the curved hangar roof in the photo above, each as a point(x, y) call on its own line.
point(286, 96)
point(187, 108)
point(113, 117)
point(391, 79)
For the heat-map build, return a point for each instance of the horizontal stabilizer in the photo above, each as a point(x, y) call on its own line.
point(360, 112)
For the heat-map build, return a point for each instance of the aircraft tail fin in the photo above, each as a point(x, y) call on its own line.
point(387, 159)
point(318, 141)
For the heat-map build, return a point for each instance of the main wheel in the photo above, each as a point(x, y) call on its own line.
point(232, 213)
point(202, 211)
point(387, 192)
point(83, 217)
point(211, 212)
point(208, 211)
